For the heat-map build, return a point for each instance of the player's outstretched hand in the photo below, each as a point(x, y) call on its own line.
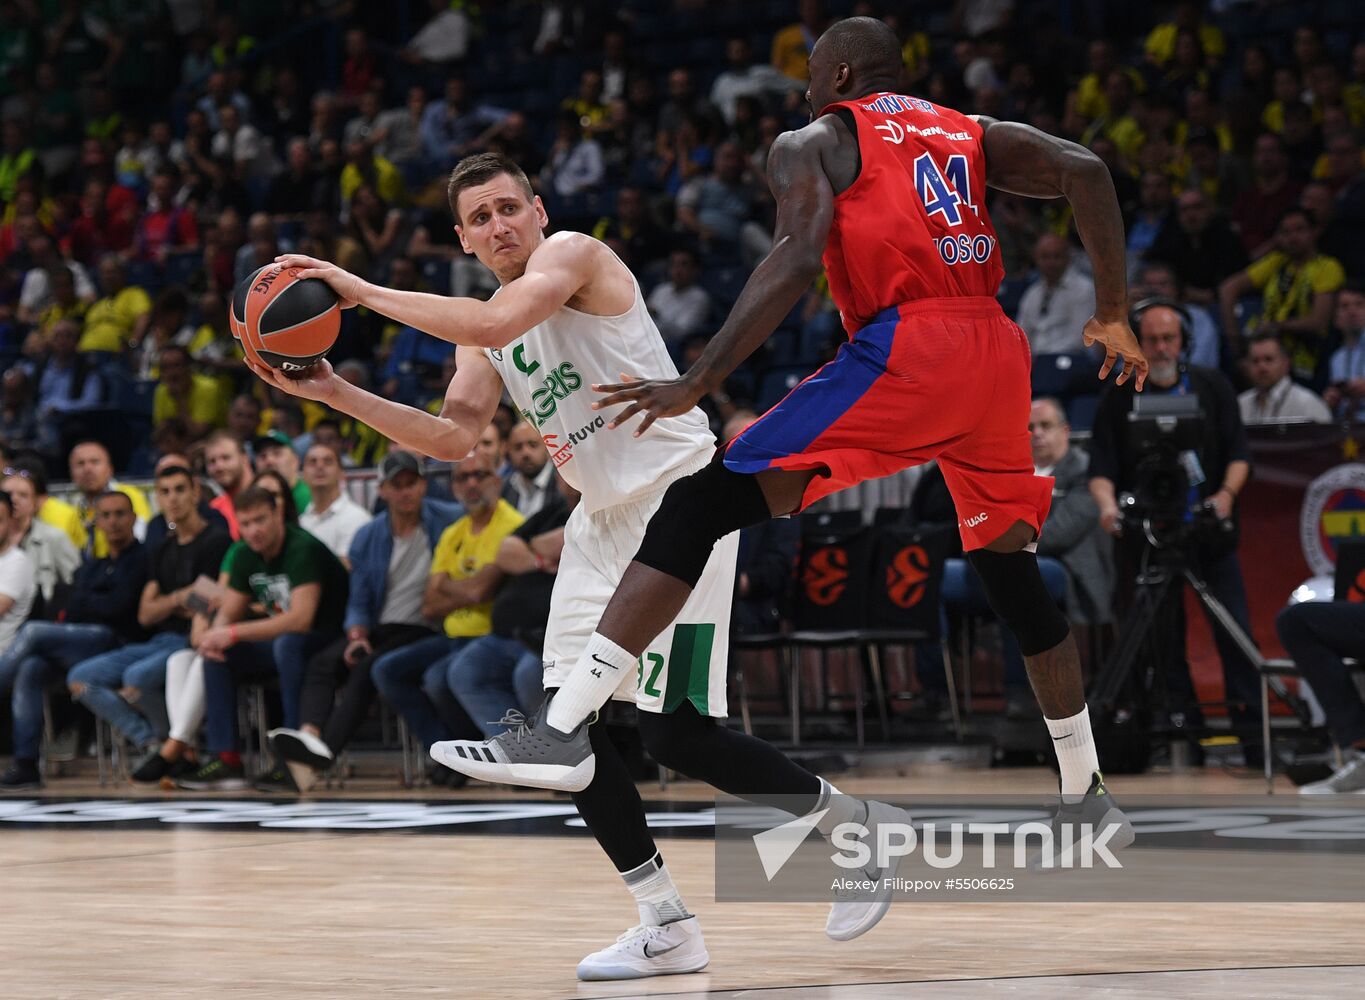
point(318, 382)
point(654, 398)
point(1119, 342)
point(344, 283)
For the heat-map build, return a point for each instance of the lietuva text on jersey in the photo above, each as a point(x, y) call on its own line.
point(914, 224)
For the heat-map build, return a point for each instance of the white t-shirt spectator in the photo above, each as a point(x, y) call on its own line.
point(755, 81)
point(1285, 400)
point(36, 291)
point(577, 170)
point(16, 581)
point(1054, 317)
point(337, 525)
point(678, 312)
point(443, 38)
point(249, 148)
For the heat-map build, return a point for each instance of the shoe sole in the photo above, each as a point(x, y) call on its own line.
point(556, 777)
point(292, 748)
point(615, 973)
point(225, 785)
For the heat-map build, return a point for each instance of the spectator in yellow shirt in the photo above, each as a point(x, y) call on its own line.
point(92, 472)
point(1298, 289)
point(119, 317)
point(464, 577)
point(197, 400)
point(792, 44)
point(65, 303)
point(1160, 44)
point(366, 167)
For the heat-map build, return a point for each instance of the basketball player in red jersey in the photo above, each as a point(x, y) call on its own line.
point(891, 190)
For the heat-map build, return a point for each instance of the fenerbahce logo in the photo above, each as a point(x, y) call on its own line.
point(1333, 511)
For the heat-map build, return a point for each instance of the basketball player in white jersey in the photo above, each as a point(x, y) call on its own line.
point(569, 315)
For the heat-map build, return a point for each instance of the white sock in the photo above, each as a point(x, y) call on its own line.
point(842, 809)
point(596, 676)
point(656, 896)
point(1075, 747)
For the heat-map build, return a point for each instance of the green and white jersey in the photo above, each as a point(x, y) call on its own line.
point(549, 373)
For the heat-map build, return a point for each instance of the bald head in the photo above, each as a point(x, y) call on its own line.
point(854, 57)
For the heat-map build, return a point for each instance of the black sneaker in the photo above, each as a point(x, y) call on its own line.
point(151, 769)
point(215, 776)
point(21, 776)
point(302, 748)
point(1096, 811)
point(278, 779)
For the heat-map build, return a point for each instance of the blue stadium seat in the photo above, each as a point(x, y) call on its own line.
point(1080, 412)
point(1057, 374)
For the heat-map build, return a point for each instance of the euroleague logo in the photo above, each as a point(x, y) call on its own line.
point(907, 576)
point(1333, 511)
point(1356, 592)
point(826, 575)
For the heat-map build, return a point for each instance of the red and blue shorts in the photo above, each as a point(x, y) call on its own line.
point(944, 379)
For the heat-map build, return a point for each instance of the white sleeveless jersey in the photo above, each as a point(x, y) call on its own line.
point(549, 372)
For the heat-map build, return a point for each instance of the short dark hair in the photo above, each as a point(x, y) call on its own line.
point(255, 496)
point(479, 169)
point(291, 510)
point(1266, 337)
point(33, 469)
point(115, 493)
point(174, 470)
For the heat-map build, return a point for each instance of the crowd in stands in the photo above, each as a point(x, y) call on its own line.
point(152, 155)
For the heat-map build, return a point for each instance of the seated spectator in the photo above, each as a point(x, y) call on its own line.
point(101, 613)
point(1273, 394)
point(36, 292)
point(792, 44)
point(67, 383)
point(303, 589)
point(453, 126)
point(499, 678)
point(397, 133)
point(1153, 212)
point(1345, 393)
point(743, 77)
point(587, 106)
point(390, 564)
point(1317, 636)
point(1158, 280)
point(92, 473)
point(1055, 307)
point(214, 349)
point(531, 483)
point(262, 246)
point(720, 208)
point(575, 165)
point(110, 684)
point(165, 227)
point(679, 306)
point(364, 167)
point(241, 146)
point(18, 411)
point(1160, 47)
point(158, 527)
point(1270, 194)
point(331, 515)
point(464, 577)
point(642, 239)
point(415, 360)
point(1297, 286)
point(442, 40)
point(275, 451)
point(118, 318)
point(361, 128)
point(244, 419)
point(65, 304)
point(168, 325)
point(227, 465)
point(298, 188)
point(1200, 246)
point(197, 400)
point(54, 557)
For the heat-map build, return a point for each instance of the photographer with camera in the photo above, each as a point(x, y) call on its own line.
point(1180, 508)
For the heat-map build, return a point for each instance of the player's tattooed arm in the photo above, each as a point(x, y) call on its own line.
point(1023, 160)
point(805, 210)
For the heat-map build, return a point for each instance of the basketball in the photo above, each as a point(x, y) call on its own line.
point(237, 311)
point(286, 322)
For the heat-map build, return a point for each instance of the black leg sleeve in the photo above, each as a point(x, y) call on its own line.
point(611, 806)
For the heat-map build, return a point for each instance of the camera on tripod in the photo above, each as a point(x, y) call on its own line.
point(1165, 433)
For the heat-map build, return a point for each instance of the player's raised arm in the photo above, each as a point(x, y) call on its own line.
point(556, 272)
point(471, 400)
point(1025, 161)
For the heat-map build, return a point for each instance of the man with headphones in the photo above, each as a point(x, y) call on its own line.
point(1218, 470)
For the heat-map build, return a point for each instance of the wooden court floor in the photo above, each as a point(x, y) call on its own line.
point(185, 911)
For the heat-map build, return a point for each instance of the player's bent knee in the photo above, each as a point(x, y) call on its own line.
point(1016, 592)
point(696, 512)
point(1016, 537)
point(669, 736)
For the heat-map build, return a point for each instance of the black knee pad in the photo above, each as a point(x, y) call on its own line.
point(697, 512)
point(1018, 596)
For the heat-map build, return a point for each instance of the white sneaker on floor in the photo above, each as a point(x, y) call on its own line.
point(1350, 777)
point(643, 951)
point(860, 913)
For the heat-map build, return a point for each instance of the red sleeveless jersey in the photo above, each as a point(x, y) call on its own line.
point(913, 225)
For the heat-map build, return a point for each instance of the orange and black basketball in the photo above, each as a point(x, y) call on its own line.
point(237, 311)
point(288, 322)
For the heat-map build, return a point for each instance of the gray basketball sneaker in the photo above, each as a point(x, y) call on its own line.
point(529, 753)
point(1098, 815)
point(1350, 777)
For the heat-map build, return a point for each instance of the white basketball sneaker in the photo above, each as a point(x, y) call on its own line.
point(860, 911)
point(644, 950)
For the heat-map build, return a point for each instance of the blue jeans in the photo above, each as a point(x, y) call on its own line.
point(286, 655)
point(142, 666)
point(38, 651)
point(483, 677)
point(528, 680)
point(413, 680)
